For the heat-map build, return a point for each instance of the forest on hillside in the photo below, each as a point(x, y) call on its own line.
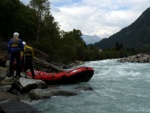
point(39, 29)
point(136, 35)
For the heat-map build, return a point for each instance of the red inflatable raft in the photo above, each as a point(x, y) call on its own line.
point(82, 74)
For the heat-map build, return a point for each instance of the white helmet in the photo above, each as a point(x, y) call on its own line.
point(24, 43)
point(16, 34)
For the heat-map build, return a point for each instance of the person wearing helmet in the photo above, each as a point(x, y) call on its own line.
point(27, 58)
point(15, 46)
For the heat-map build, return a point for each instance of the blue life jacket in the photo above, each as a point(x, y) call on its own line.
point(15, 45)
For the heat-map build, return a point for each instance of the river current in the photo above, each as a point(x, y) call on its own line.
point(117, 88)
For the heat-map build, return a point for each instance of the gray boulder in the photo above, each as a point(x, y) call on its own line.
point(1, 110)
point(138, 58)
point(30, 84)
point(5, 88)
point(38, 94)
point(42, 94)
point(7, 81)
point(10, 84)
point(16, 106)
point(2, 73)
point(7, 96)
point(23, 85)
point(84, 88)
point(41, 84)
point(62, 93)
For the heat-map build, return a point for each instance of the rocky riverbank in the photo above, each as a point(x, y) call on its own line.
point(139, 58)
point(14, 91)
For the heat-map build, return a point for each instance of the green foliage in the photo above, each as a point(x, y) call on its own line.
point(112, 54)
point(13, 18)
point(38, 28)
point(118, 46)
point(41, 7)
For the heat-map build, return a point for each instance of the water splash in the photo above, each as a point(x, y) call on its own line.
point(118, 88)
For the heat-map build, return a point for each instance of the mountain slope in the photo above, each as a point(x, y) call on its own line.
point(90, 39)
point(134, 36)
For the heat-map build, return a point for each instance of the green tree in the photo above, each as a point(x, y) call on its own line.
point(41, 7)
point(35, 22)
point(12, 17)
point(118, 46)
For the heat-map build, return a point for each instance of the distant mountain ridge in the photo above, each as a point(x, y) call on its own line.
point(134, 36)
point(90, 39)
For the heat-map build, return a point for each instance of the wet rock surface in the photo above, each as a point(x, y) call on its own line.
point(62, 93)
point(14, 90)
point(139, 58)
point(30, 84)
point(1, 110)
point(84, 88)
point(6, 96)
point(16, 106)
point(38, 94)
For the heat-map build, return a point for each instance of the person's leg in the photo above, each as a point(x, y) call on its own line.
point(11, 61)
point(18, 64)
point(32, 71)
point(31, 68)
point(22, 65)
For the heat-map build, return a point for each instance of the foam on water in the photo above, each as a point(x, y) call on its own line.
point(118, 88)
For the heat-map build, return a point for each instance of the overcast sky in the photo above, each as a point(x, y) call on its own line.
point(96, 17)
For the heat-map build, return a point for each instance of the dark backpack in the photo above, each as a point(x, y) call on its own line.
point(28, 54)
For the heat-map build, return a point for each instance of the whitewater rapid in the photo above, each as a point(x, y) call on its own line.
point(117, 88)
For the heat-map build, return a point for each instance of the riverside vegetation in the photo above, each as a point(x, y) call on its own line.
point(13, 92)
point(38, 28)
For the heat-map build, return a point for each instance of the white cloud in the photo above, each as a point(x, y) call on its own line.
point(25, 1)
point(90, 39)
point(99, 17)
point(96, 17)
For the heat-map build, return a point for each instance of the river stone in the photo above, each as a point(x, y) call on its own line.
point(16, 106)
point(7, 63)
point(1, 110)
point(5, 87)
point(11, 85)
point(30, 84)
point(2, 60)
point(27, 84)
point(7, 96)
point(62, 93)
point(139, 58)
point(41, 84)
point(8, 81)
point(2, 73)
point(38, 94)
point(84, 88)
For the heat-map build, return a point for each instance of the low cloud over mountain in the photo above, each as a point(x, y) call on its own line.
point(90, 39)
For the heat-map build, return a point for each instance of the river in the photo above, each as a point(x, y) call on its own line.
point(117, 88)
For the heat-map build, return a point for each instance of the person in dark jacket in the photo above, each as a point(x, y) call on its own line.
point(15, 46)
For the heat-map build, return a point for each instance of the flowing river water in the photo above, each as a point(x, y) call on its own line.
point(117, 88)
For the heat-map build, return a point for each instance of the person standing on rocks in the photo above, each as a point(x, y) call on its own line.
point(15, 46)
point(27, 58)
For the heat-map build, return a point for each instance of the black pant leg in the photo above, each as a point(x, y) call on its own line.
point(29, 65)
point(18, 63)
point(32, 71)
point(11, 61)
